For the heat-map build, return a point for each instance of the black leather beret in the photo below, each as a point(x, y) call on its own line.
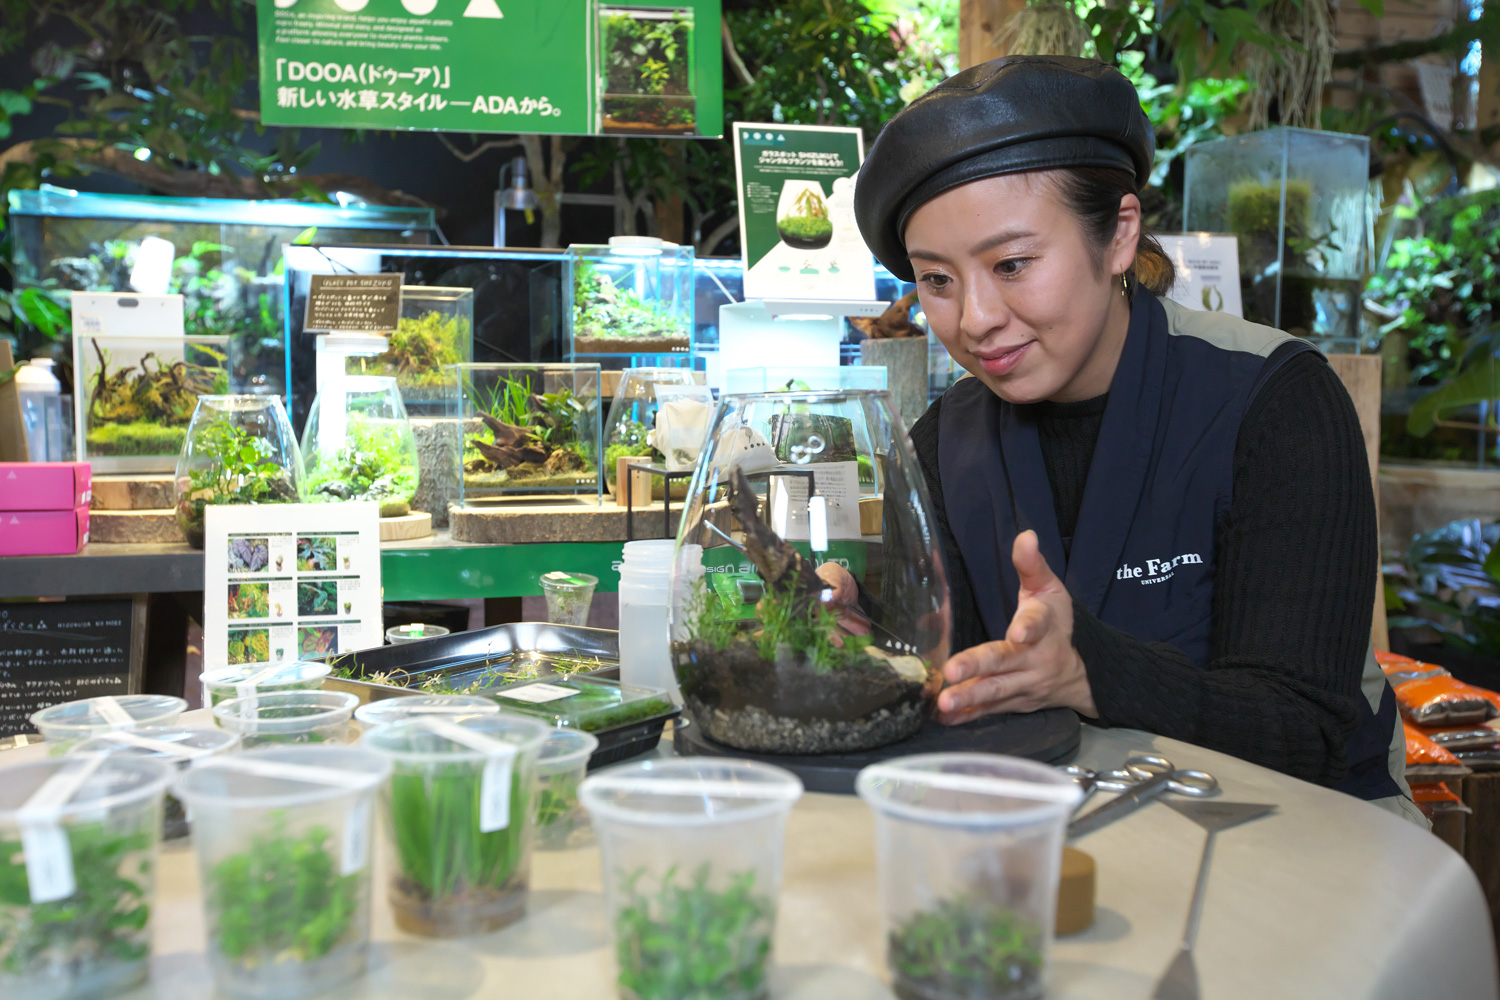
point(1005, 116)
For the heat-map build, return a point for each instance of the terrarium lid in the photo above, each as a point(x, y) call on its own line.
point(87, 716)
point(640, 243)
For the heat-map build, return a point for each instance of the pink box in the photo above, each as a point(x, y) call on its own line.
point(45, 485)
point(44, 532)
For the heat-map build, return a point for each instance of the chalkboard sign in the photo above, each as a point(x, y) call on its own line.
point(353, 303)
point(54, 651)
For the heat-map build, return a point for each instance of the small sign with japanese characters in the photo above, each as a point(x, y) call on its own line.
point(353, 303)
point(540, 66)
point(290, 581)
point(54, 651)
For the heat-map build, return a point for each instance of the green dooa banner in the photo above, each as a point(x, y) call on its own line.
point(546, 66)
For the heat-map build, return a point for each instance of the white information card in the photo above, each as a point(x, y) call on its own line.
point(1208, 271)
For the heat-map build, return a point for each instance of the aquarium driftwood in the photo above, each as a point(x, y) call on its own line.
point(532, 440)
point(793, 681)
point(146, 409)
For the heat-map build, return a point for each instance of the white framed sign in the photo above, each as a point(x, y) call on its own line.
point(1208, 271)
point(290, 581)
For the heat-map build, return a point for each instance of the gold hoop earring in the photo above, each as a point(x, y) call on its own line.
point(1125, 286)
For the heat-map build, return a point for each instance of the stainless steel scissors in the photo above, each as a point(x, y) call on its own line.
point(1143, 778)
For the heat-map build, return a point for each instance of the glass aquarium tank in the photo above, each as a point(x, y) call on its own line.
point(436, 331)
point(809, 612)
point(239, 450)
point(224, 258)
point(631, 298)
point(358, 445)
point(135, 396)
point(632, 415)
point(528, 430)
point(646, 71)
point(1297, 200)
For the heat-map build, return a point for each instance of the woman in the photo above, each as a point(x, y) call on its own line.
point(1157, 517)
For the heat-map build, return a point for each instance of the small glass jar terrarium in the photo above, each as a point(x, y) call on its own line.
point(528, 430)
point(284, 859)
point(239, 450)
point(435, 331)
point(809, 612)
point(358, 445)
point(632, 418)
point(632, 298)
point(459, 814)
point(135, 397)
point(646, 71)
point(83, 931)
point(1297, 199)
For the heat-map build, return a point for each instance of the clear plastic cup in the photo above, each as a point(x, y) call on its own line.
point(94, 941)
point(78, 720)
point(569, 596)
point(398, 635)
point(378, 713)
point(181, 748)
point(558, 815)
point(968, 847)
point(460, 869)
point(224, 683)
point(290, 717)
point(692, 866)
point(284, 863)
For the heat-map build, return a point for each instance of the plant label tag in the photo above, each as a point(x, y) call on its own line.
point(356, 852)
point(538, 694)
point(176, 751)
point(114, 713)
point(49, 856)
point(246, 687)
point(494, 781)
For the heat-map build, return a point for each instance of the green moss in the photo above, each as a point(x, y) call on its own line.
point(967, 947)
point(140, 437)
point(420, 348)
point(804, 228)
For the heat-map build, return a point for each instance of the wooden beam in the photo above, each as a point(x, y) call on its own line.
point(979, 21)
point(1360, 374)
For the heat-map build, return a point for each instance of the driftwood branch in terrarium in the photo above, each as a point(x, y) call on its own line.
point(779, 564)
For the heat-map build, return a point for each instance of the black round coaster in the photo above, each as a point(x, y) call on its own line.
point(1050, 736)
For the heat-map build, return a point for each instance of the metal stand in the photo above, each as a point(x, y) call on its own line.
point(666, 495)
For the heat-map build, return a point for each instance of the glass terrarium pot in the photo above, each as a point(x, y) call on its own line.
point(631, 298)
point(436, 330)
point(646, 70)
point(134, 397)
point(1297, 200)
point(358, 445)
point(632, 415)
point(528, 430)
point(224, 257)
point(796, 493)
point(239, 449)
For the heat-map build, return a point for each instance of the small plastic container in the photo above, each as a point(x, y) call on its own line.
point(569, 597)
point(78, 720)
point(224, 683)
point(397, 635)
point(558, 816)
point(177, 746)
point(969, 847)
point(692, 866)
point(587, 703)
point(285, 866)
point(88, 935)
point(458, 811)
point(448, 706)
point(645, 592)
point(289, 717)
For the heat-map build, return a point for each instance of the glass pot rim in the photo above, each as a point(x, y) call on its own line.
point(240, 402)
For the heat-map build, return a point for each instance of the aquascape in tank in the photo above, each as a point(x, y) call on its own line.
point(774, 650)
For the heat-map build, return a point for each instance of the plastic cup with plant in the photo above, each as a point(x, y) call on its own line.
point(966, 948)
point(690, 941)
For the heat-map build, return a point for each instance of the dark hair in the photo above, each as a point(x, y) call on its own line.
point(1093, 195)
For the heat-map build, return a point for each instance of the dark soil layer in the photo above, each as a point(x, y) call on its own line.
point(457, 916)
point(801, 243)
point(630, 345)
point(785, 707)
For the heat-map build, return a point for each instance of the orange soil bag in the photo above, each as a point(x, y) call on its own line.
point(1426, 761)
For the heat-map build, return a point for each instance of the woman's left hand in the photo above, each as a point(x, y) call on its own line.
point(1035, 666)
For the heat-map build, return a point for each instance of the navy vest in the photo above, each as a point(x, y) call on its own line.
point(1160, 482)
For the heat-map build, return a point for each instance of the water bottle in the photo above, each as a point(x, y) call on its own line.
point(41, 410)
point(645, 592)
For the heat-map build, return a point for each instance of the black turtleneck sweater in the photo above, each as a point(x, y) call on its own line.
point(1294, 582)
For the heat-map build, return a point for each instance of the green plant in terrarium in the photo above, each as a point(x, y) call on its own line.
point(377, 462)
point(602, 310)
point(647, 76)
point(100, 928)
point(1255, 216)
point(806, 226)
point(691, 941)
point(420, 348)
point(629, 441)
point(967, 947)
point(281, 900)
point(145, 409)
point(241, 468)
point(526, 438)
